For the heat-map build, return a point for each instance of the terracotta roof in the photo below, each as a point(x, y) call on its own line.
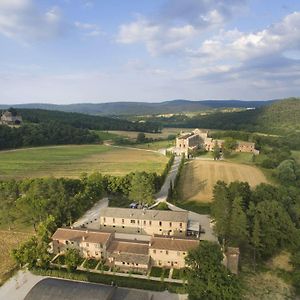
point(165, 243)
point(152, 215)
point(128, 247)
point(68, 234)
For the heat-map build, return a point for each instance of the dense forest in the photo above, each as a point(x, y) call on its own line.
point(86, 121)
point(279, 117)
point(50, 133)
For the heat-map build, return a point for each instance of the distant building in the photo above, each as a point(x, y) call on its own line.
point(188, 142)
point(9, 118)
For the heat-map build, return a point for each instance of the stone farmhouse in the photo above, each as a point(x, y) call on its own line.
point(8, 118)
point(198, 139)
point(136, 239)
point(127, 254)
point(149, 222)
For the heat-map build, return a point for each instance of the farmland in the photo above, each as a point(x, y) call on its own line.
point(163, 135)
point(9, 240)
point(71, 161)
point(199, 176)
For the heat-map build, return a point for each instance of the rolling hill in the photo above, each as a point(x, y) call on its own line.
point(143, 108)
point(278, 117)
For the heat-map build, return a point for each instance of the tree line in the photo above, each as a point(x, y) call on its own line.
point(261, 221)
point(84, 121)
point(31, 201)
point(42, 134)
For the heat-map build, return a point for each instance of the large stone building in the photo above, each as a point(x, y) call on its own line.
point(143, 221)
point(11, 119)
point(188, 142)
point(125, 254)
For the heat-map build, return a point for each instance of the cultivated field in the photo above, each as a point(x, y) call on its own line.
point(9, 240)
point(163, 135)
point(199, 177)
point(71, 161)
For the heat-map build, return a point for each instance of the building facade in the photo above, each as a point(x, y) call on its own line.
point(142, 221)
point(10, 119)
point(126, 255)
point(198, 139)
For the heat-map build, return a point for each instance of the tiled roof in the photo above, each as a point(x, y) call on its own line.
point(128, 247)
point(131, 258)
point(166, 243)
point(141, 214)
point(90, 236)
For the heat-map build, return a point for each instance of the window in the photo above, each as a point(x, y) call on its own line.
point(67, 242)
point(136, 264)
point(150, 223)
point(183, 253)
point(123, 262)
point(138, 221)
point(180, 225)
point(113, 220)
point(167, 252)
point(170, 224)
point(87, 244)
point(160, 229)
point(123, 226)
point(154, 251)
point(160, 223)
point(132, 221)
point(144, 222)
point(104, 219)
point(122, 221)
point(96, 253)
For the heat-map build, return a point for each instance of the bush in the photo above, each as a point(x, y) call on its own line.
point(156, 272)
point(90, 263)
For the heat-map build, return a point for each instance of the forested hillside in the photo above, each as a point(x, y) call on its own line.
point(279, 117)
point(85, 121)
point(143, 108)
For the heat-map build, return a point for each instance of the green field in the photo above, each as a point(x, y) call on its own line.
point(71, 161)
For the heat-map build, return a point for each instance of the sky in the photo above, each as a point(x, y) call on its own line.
point(71, 51)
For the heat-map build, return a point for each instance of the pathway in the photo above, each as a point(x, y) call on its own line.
point(162, 195)
point(91, 218)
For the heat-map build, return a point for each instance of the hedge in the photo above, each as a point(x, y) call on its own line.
point(129, 282)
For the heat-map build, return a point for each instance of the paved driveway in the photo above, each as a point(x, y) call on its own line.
point(91, 219)
point(163, 193)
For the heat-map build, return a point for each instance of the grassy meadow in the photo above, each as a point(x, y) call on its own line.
point(162, 135)
point(9, 240)
point(71, 161)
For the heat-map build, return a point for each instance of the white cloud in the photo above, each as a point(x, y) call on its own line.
point(275, 39)
point(89, 29)
point(21, 20)
point(157, 38)
point(177, 24)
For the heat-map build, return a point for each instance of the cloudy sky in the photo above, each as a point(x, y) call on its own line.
point(66, 51)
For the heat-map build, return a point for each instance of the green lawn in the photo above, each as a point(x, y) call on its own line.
point(71, 161)
point(156, 145)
